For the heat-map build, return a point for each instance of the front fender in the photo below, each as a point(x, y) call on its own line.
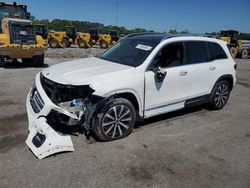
point(125, 90)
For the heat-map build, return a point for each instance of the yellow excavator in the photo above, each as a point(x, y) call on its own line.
point(18, 39)
point(66, 38)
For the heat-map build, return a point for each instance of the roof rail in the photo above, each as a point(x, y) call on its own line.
point(143, 33)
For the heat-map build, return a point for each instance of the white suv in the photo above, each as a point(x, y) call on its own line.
point(141, 76)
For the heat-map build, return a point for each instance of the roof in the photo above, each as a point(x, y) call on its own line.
point(229, 31)
point(11, 4)
point(18, 20)
point(155, 37)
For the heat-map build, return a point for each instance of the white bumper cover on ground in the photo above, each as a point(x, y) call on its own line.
point(44, 141)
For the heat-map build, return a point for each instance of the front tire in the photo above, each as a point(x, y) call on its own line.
point(1, 61)
point(64, 43)
point(82, 43)
point(104, 44)
point(53, 43)
point(115, 120)
point(233, 52)
point(220, 95)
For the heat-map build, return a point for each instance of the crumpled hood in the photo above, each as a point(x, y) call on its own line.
point(85, 71)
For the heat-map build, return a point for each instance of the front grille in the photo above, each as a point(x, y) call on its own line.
point(36, 101)
point(21, 33)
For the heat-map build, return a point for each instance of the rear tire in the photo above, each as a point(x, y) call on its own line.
point(233, 52)
point(219, 95)
point(244, 54)
point(53, 43)
point(115, 120)
point(36, 61)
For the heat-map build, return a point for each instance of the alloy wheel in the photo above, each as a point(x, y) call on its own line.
point(116, 121)
point(221, 95)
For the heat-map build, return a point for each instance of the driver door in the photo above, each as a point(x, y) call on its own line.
point(170, 93)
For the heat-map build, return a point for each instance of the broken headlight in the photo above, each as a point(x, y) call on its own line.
point(76, 107)
point(60, 93)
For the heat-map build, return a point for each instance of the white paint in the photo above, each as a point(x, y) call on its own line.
point(108, 78)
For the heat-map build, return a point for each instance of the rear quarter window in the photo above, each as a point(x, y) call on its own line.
point(216, 51)
point(196, 52)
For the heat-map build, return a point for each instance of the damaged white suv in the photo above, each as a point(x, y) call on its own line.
point(141, 76)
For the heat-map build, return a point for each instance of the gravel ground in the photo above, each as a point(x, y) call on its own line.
point(188, 148)
point(73, 52)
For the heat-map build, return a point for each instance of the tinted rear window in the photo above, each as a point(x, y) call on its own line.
point(216, 51)
point(196, 52)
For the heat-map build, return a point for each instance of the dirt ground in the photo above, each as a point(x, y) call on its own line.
point(188, 148)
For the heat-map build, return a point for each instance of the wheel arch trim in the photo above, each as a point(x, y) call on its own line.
point(127, 93)
point(227, 77)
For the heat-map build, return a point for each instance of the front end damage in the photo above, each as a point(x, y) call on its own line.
point(54, 112)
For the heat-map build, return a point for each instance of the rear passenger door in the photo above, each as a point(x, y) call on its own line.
point(201, 69)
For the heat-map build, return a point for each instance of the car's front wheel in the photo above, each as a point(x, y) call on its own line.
point(220, 95)
point(115, 120)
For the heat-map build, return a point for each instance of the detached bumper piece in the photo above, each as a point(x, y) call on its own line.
point(45, 141)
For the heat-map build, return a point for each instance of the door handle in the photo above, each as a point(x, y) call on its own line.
point(212, 68)
point(183, 73)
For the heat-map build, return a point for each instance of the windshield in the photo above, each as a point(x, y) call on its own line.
point(131, 52)
point(9, 11)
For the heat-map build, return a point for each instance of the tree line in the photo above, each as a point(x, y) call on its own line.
point(84, 26)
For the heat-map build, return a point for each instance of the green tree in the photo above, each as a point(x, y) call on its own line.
point(173, 31)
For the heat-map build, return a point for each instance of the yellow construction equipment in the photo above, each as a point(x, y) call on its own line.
point(107, 40)
point(66, 38)
point(18, 39)
point(103, 40)
point(94, 36)
point(42, 30)
point(57, 39)
point(78, 38)
point(231, 39)
point(237, 47)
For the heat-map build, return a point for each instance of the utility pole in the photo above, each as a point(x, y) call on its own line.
point(176, 24)
point(116, 12)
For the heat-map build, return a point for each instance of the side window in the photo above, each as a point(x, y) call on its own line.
point(196, 52)
point(216, 51)
point(171, 55)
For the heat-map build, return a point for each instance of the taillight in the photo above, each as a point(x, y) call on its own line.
point(235, 66)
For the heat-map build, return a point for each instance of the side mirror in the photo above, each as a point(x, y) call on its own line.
point(160, 74)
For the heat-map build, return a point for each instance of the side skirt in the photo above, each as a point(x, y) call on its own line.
point(177, 106)
point(197, 101)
